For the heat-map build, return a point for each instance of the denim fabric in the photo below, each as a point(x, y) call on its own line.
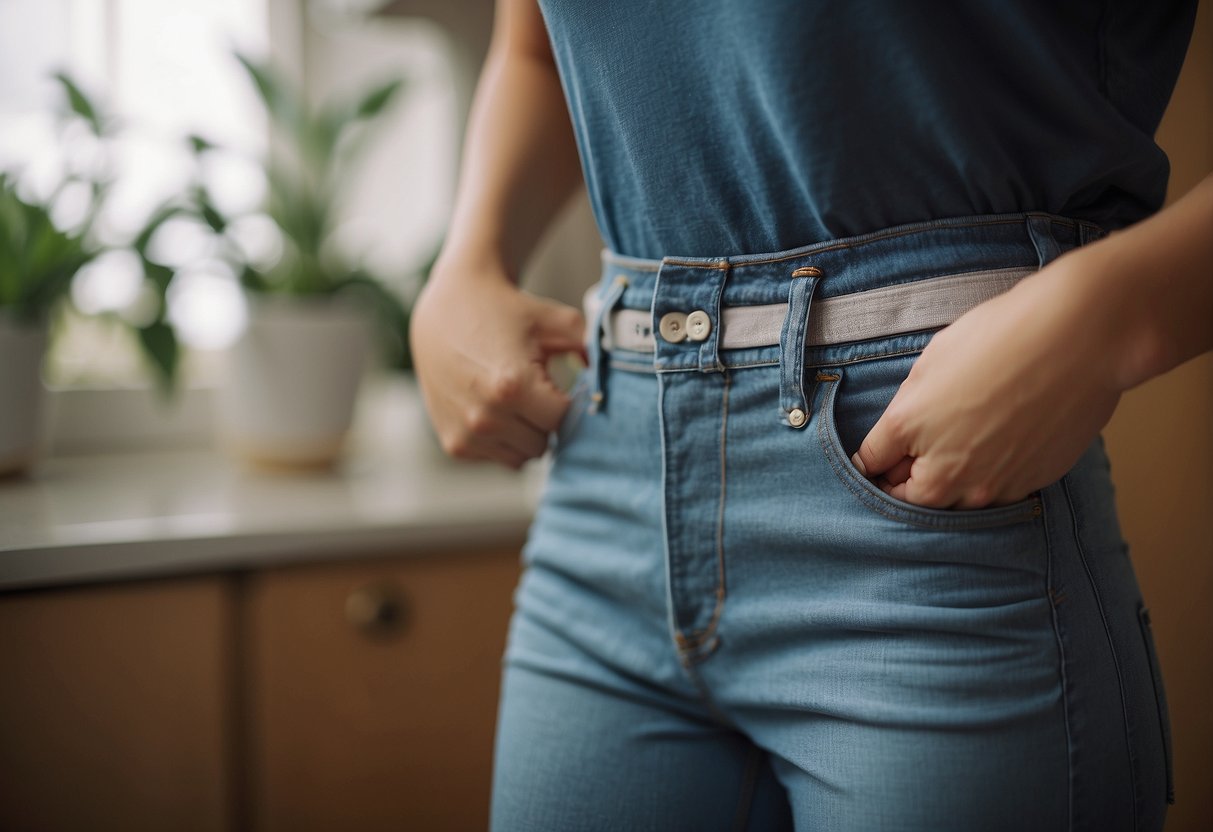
point(757, 125)
point(723, 625)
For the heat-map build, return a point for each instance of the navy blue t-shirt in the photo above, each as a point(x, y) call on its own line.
point(745, 126)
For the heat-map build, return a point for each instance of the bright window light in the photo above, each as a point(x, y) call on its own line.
point(206, 306)
point(165, 70)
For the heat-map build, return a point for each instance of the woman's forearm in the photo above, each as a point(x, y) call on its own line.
point(481, 344)
point(520, 160)
point(1154, 281)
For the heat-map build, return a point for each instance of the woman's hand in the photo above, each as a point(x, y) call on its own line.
point(480, 347)
point(1003, 401)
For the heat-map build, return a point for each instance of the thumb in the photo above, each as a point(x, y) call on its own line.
point(558, 326)
point(881, 449)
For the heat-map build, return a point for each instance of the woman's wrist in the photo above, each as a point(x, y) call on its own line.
point(1145, 294)
point(465, 262)
point(1116, 336)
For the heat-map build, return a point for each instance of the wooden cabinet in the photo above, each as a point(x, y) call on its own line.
point(115, 707)
point(373, 692)
point(326, 696)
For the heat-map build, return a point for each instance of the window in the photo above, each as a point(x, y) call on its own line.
point(165, 69)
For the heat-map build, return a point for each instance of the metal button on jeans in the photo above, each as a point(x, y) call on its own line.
point(699, 325)
point(673, 326)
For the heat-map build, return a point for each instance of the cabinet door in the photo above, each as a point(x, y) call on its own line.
point(114, 706)
point(373, 691)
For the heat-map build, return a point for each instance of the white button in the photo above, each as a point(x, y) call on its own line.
point(699, 325)
point(796, 418)
point(673, 326)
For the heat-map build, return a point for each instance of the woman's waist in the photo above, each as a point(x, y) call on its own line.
point(884, 285)
point(887, 257)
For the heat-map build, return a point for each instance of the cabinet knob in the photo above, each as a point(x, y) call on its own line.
point(377, 609)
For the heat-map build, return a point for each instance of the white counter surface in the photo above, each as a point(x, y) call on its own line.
point(79, 519)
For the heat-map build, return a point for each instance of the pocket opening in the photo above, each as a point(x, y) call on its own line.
point(830, 381)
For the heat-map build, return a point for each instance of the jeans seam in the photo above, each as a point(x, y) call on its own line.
point(1061, 669)
point(873, 357)
point(645, 368)
point(888, 234)
point(696, 638)
point(749, 780)
point(1103, 619)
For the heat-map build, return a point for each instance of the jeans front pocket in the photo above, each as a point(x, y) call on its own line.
point(1160, 697)
point(874, 384)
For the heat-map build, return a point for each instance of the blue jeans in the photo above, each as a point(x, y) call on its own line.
point(723, 625)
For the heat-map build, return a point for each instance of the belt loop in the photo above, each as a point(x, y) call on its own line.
point(597, 365)
point(1040, 230)
point(793, 405)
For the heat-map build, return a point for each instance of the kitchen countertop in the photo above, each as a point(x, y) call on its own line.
point(99, 517)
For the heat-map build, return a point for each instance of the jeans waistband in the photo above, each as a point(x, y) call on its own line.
point(703, 286)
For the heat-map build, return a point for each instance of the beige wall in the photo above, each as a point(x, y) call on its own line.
point(1161, 445)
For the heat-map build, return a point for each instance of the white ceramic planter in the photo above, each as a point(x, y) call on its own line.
point(292, 380)
point(22, 395)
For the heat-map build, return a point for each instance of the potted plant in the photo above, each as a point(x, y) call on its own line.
point(38, 261)
point(293, 376)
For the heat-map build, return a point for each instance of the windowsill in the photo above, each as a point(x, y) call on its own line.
point(89, 517)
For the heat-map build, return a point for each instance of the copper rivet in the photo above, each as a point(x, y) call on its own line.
point(807, 271)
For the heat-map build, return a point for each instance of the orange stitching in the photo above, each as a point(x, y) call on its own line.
point(698, 637)
point(807, 271)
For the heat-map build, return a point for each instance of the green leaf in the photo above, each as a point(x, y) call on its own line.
point(198, 144)
point(374, 101)
point(159, 217)
point(284, 106)
point(253, 280)
point(261, 78)
point(37, 259)
point(158, 273)
point(213, 218)
point(159, 343)
point(319, 140)
point(80, 103)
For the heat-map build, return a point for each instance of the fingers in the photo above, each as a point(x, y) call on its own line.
point(558, 327)
point(509, 421)
point(485, 381)
point(524, 392)
point(543, 404)
point(895, 476)
point(882, 448)
point(508, 440)
point(919, 493)
point(923, 490)
point(506, 416)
